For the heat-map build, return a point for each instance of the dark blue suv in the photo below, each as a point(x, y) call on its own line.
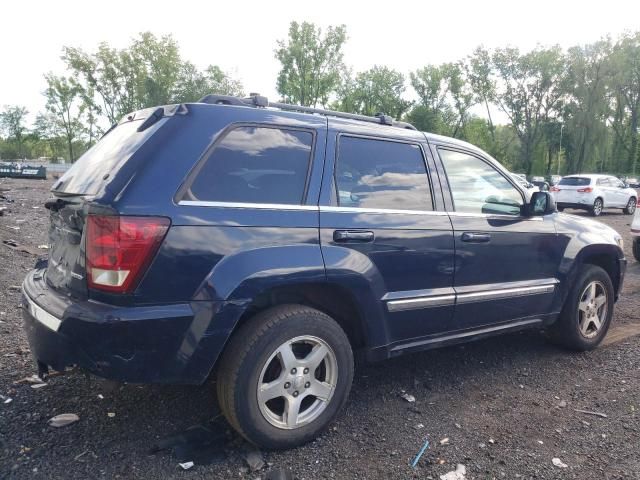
point(266, 244)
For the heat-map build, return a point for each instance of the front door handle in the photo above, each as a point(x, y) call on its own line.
point(352, 236)
point(475, 237)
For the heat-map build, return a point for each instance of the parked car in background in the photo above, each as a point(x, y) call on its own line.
point(524, 183)
point(296, 239)
point(594, 193)
point(635, 234)
point(541, 183)
point(554, 179)
point(633, 182)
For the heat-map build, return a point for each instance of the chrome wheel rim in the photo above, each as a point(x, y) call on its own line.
point(297, 382)
point(597, 207)
point(592, 309)
point(631, 206)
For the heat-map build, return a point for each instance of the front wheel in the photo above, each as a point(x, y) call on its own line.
point(284, 376)
point(587, 312)
point(596, 208)
point(636, 248)
point(631, 206)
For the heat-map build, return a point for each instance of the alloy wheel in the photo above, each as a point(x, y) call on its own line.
point(597, 206)
point(297, 382)
point(631, 206)
point(592, 309)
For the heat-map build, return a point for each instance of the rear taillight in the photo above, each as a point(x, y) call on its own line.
point(554, 189)
point(585, 190)
point(120, 248)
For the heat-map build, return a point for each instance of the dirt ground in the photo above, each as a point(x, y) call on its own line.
point(506, 405)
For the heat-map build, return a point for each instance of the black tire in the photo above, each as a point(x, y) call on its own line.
point(248, 352)
point(596, 208)
point(566, 329)
point(636, 248)
point(560, 209)
point(630, 209)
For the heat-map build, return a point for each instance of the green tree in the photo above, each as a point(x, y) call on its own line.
point(528, 87)
point(63, 97)
point(194, 84)
point(311, 63)
point(432, 112)
point(378, 90)
point(12, 123)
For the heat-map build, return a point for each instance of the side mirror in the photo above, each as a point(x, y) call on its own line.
point(541, 203)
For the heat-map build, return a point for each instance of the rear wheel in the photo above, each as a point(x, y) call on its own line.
point(631, 206)
point(284, 376)
point(596, 208)
point(560, 209)
point(636, 248)
point(586, 315)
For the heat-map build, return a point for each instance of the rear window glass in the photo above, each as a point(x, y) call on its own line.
point(575, 181)
point(114, 149)
point(255, 165)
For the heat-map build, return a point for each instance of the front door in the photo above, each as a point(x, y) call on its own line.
point(380, 222)
point(505, 263)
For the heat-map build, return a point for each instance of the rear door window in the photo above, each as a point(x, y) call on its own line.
point(381, 174)
point(575, 181)
point(255, 165)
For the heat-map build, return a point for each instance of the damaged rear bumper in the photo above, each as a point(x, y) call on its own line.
point(146, 344)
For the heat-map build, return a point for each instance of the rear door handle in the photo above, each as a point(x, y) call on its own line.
point(352, 236)
point(475, 237)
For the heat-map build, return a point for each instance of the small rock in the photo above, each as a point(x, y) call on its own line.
point(492, 441)
point(444, 441)
point(254, 460)
point(559, 463)
point(35, 386)
point(458, 474)
point(408, 397)
point(63, 420)
point(458, 426)
point(562, 404)
point(186, 465)
point(111, 414)
point(540, 442)
point(419, 426)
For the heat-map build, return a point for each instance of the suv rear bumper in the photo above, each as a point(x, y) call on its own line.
point(581, 206)
point(148, 344)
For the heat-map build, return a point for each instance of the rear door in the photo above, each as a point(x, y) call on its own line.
point(506, 264)
point(382, 219)
point(618, 192)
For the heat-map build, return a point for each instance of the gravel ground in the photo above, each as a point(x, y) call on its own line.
point(507, 405)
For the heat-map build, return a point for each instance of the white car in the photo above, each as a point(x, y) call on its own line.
point(594, 193)
point(635, 233)
point(529, 187)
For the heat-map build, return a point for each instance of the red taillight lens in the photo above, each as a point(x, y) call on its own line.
point(554, 189)
point(585, 190)
point(119, 250)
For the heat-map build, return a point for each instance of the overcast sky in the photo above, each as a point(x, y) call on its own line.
point(240, 36)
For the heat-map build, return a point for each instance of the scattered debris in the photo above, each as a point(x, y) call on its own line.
point(254, 460)
point(458, 474)
point(458, 426)
point(21, 248)
point(36, 386)
point(559, 463)
point(419, 426)
point(186, 465)
point(587, 412)
point(199, 444)
point(7, 400)
point(420, 453)
point(33, 379)
point(63, 420)
point(12, 227)
point(408, 397)
point(444, 441)
point(111, 414)
point(100, 396)
point(562, 404)
point(492, 441)
point(44, 246)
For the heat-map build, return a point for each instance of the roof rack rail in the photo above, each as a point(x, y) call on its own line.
point(259, 101)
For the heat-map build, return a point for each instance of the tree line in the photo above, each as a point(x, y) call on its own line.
point(567, 110)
